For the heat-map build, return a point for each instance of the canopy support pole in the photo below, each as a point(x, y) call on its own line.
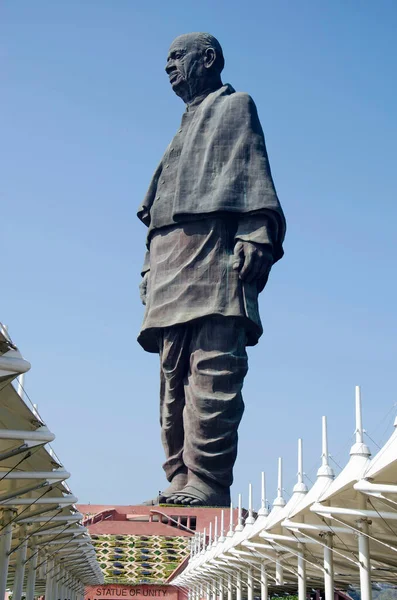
point(365, 561)
point(5, 547)
point(20, 565)
point(328, 568)
point(49, 580)
point(250, 584)
point(229, 588)
point(264, 582)
point(220, 585)
point(301, 576)
point(31, 582)
point(239, 590)
point(213, 590)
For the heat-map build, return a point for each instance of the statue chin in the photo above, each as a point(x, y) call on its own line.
point(179, 89)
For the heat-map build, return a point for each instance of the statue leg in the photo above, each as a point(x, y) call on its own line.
point(174, 364)
point(213, 410)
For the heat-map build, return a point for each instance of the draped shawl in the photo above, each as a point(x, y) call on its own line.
point(223, 166)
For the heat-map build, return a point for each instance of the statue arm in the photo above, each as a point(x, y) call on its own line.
point(257, 227)
point(144, 216)
point(253, 251)
point(238, 150)
point(144, 209)
point(258, 240)
point(146, 264)
point(143, 286)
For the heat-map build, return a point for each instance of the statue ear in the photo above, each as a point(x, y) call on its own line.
point(209, 57)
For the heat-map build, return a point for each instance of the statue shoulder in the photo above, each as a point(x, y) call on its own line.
point(241, 97)
point(239, 100)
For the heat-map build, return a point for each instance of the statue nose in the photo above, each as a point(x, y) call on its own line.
point(169, 67)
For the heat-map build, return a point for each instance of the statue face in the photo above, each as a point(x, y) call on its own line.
point(186, 67)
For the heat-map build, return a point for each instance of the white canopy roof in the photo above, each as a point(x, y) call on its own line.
point(34, 495)
point(361, 502)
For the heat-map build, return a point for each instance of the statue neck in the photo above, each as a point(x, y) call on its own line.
point(200, 96)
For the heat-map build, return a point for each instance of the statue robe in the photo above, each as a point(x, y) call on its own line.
point(212, 187)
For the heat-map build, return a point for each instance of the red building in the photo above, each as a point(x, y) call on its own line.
point(139, 547)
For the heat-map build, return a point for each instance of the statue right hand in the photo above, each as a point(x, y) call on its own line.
point(143, 287)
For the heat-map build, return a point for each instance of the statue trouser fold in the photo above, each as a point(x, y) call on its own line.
point(203, 365)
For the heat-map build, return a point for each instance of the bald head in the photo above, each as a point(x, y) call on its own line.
point(202, 41)
point(194, 64)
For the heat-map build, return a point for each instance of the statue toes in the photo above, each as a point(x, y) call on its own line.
point(177, 500)
point(183, 500)
point(171, 499)
point(195, 502)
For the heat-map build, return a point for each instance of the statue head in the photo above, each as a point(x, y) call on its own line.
point(194, 65)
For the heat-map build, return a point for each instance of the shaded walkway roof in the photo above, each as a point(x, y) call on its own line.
point(35, 499)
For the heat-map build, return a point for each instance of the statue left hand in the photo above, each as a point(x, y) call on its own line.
point(253, 261)
point(143, 287)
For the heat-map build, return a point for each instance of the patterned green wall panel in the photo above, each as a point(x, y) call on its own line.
point(133, 559)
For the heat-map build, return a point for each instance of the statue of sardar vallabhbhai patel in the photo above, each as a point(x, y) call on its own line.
point(215, 228)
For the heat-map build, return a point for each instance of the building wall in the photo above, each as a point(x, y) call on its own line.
point(139, 547)
point(150, 520)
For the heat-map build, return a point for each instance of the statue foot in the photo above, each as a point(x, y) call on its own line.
point(178, 482)
point(199, 492)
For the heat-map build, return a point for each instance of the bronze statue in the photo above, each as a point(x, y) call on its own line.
point(215, 228)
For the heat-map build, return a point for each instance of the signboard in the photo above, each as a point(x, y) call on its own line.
point(138, 592)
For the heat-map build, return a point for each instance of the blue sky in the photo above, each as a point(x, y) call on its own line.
point(86, 113)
